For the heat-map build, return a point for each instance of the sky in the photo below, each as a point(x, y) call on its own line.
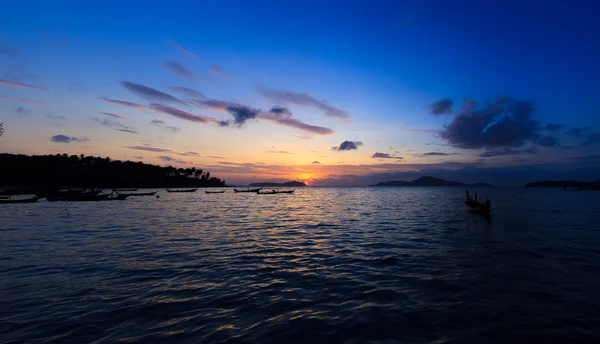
point(330, 93)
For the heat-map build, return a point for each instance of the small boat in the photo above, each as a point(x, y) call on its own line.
point(475, 207)
point(182, 190)
point(139, 193)
point(21, 200)
point(215, 192)
point(272, 192)
point(286, 191)
point(132, 189)
point(247, 190)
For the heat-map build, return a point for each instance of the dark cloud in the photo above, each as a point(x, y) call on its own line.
point(22, 111)
point(124, 103)
point(440, 107)
point(302, 99)
point(385, 156)
point(188, 154)
point(128, 131)
point(224, 123)
point(436, 154)
point(150, 149)
point(216, 157)
point(66, 139)
point(241, 113)
point(17, 84)
point(187, 91)
point(182, 114)
point(170, 159)
point(149, 93)
point(553, 127)
point(280, 111)
point(507, 151)
point(592, 139)
point(547, 141)
point(295, 123)
point(316, 163)
point(348, 145)
point(163, 125)
point(111, 115)
point(178, 69)
point(182, 49)
point(60, 118)
point(578, 132)
point(138, 157)
point(493, 126)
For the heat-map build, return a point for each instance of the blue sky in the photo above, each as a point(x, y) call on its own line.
point(374, 73)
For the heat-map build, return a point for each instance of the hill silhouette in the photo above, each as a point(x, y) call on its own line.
point(62, 170)
point(429, 181)
point(565, 183)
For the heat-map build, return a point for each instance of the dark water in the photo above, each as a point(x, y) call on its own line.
point(325, 265)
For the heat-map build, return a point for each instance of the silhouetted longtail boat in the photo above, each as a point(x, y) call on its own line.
point(247, 190)
point(182, 190)
point(215, 192)
point(22, 200)
point(139, 193)
point(286, 191)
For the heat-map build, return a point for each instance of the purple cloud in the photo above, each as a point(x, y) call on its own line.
point(128, 131)
point(241, 113)
point(150, 149)
point(280, 111)
point(178, 69)
point(162, 124)
point(304, 99)
point(23, 100)
point(123, 103)
point(17, 84)
point(183, 115)
point(348, 145)
point(111, 115)
point(22, 111)
point(295, 123)
point(66, 139)
point(149, 93)
point(443, 106)
point(187, 91)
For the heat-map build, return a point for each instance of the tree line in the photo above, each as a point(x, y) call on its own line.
point(62, 170)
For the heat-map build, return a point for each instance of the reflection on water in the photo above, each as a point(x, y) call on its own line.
point(326, 264)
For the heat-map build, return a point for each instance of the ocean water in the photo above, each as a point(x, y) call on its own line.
point(324, 265)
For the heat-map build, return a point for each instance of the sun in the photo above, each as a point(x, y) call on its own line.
point(306, 177)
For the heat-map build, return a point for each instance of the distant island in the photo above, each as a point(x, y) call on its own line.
point(429, 181)
point(291, 184)
point(40, 172)
point(565, 184)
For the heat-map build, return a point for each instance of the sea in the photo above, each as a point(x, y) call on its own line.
point(322, 265)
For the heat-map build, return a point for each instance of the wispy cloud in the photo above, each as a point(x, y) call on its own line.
point(21, 111)
point(182, 49)
point(578, 132)
point(124, 103)
point(149, 93)
point(187, 91)
point(347, 146)
point(67, 139)
point(553, 127)
point(178, 69)
point(279, 152)
point(163, 125)
point(507, 151)
point(547, 141)
point(304, 99)
point(60, 118)
point(150, 149)
point(215, 68)
point(17, 84)
point(23, 100)
point(385, 156)
point(183, 115)
point(188, 154)
point(592, 139)
point(111, 123)
point(170, 159)
point(295, 123)
point(437, 154)
point(111, 115)
point(128, 131)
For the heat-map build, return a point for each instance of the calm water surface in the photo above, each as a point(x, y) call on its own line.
point(324, 265)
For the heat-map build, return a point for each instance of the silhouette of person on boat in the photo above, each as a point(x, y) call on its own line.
point(480, 208)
